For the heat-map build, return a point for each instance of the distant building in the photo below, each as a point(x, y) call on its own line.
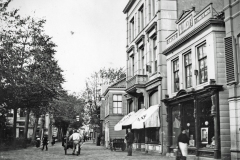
point(114, 109)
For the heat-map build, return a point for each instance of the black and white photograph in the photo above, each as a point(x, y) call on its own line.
point(120, 79)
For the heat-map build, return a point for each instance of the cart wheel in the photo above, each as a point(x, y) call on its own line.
point(65, 151)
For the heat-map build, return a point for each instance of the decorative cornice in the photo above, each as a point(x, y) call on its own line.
point(140, 38)
point(128, 6)
point(130, 49)
point(208, 90)
point(151, 27)
point(192, 34)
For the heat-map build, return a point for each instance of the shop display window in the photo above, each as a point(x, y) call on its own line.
point(140, 136)
point(188, 121)
point(176, 124)
point(206, 121)
point(153, 135)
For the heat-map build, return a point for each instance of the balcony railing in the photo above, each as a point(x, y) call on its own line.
point(136, 80)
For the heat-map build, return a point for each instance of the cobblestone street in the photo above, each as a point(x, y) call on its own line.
point(89, 151)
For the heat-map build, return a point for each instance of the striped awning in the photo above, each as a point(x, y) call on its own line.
point(150, 118)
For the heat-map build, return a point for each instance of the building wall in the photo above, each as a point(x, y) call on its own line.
point(232, 23)
point(223, 96)
point(112, 119)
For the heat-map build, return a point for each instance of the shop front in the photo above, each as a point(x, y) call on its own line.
point(198, 113)
point(146, 127)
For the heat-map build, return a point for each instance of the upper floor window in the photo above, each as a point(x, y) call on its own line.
point(153, 7)
point(176, 75)
point(133, 66)
point(154, 54)
point(131, 29)
point(150, 9)
point(117, 104)
point(141, 18)
point(143, 63)
point(188, 69)
point(202, 61)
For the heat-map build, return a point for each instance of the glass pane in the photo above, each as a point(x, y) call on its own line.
point(189, 58)
point(206, 124)
point(190, 70)
point(200, 53)
point(119, 110)
point(115, 110)
point(201, 64)
point(115, 104)
point(114, 97)
point(119, 97)
point(204, 50)
point(206, 75)
point(176, 124)
point(186, 59)
point(119, 104)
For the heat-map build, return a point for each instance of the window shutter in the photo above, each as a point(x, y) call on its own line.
point(230, 59)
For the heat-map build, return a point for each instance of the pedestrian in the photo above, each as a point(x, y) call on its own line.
point(183, 142)
point(53, 140)
point(76, 137)
point(129, 138)
point(45, 142)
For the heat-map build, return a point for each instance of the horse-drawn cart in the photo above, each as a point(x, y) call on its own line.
point(69, 144)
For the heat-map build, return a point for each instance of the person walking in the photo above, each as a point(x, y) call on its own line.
point(76, 137)
point(45, 142)
point(129, 138)
point(183, 142)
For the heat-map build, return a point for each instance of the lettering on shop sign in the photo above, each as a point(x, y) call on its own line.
point(171, 38)
point(185, 25)
point(201, 16)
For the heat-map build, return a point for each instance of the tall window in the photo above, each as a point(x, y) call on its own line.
point(117, 104)
point(188, 69)
point(141, 19)
point(131, 32)
point(202, 61)
point(154, 55)
point(142, 61)
point(133, 66)
point(176, 75)
point(153, 7)
point(150, 9)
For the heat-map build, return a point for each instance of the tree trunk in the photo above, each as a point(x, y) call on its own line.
point(35, 129)
point(26, 125)
point(14, 125)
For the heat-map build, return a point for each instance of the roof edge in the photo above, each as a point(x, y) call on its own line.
point(128, 6)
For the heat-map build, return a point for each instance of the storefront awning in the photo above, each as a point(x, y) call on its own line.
point(150, 118)
point(134, 117)
point(118, 126)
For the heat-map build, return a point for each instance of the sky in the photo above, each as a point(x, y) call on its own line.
point(90, 34)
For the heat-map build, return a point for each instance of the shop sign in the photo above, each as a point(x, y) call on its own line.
point(172, 38)
point(185, 25)
point(201, 16)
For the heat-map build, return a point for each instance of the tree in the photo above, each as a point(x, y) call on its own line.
point(93, 90)
point(65, 110)
point(30, 76)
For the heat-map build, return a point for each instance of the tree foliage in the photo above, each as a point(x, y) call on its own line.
point(92, 93)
